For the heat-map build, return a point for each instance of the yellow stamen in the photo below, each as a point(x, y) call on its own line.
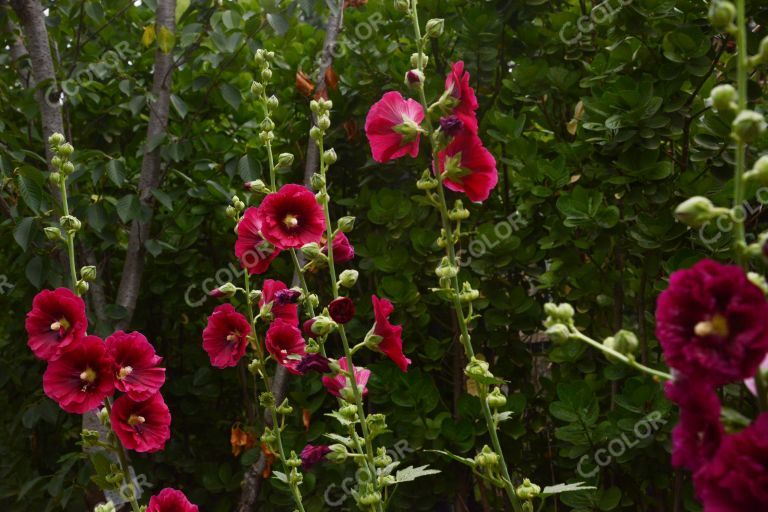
point(134, 420)
point(715, 326)
point(124, 372)
point(291, 221)
point(88, 375)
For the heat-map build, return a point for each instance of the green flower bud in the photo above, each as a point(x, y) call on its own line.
point(487, 458)
point(53, 233)
point(311, 250)
point(527, 490)
point(325, 105)
point(105, 507)
point(323, 325)
point(427, 181)
point(759, 172)
point(317, 181)
point(315, 133)
point(260, 57)
point(346, 224)
point(558, 333)
point(66, 149)
point(435, 27)
point(324, 122)
point(721, 14)
point(266, 136)
point(55, 179)
point(724, 97)
point(257, 88)
point(88, 273)
point(377, 424)
point(267, 400)
point(67, 168)
point(402, 5)
point(478, 371)
point(257, 186)
point(293, 461)
point(458, 212)
point(273, 102)
point(348, 278)
point(330, 157)
point(267, 124)
point(349, 411)
point(696, 211)
point(103, 416)
point(89, 438)
point(624, 342)
point(231, 212)
point(445, 270)
point(81, 287)
point(496, 398)
point(285, 160)
point(415, 60)
point(266, 74)
point(338, 453)
point(254, 367)
point(56, 139)
point(748, 126)
point(372, 498)
point(70, 224)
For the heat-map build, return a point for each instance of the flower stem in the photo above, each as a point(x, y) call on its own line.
point(618, 355)
point(451, 253)
point(123, 457)
point(741, 148)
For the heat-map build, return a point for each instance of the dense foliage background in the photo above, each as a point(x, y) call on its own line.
point(598, 126)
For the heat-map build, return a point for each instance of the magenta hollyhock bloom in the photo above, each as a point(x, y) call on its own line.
point(285, 344)
point(57, 320)
point(313, 454)
point(342, 310)
point(392, 335)
point(392, 127)
point(225, 338)
point(313, 363)
point(457, 83)
point(81, 377)
point(712, 323)
point(274, 291)
point(306, 328)
point(698, 432)
point(736, 480)
point(335, 384)
point(342, 249)
point(143, 426)
point(136, 365)
point(469, 167)
point(255, 253)
point(291, 217)
point(170, 500)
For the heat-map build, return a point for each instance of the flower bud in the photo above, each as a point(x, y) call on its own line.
point(558, 333)
point(314, 106)
point(338, 453)
point(81, 287)
point(315, 133)
point(267, 124)
point(105, 507)
point(458, 212)
point(721, 14)
point(323, 325)
point(103, 416)
point(70, 223)
point(67, 168)
point(267, 400)
point(55, 178)
point(266, 74)
point(748, 126)
point(346, 224)
point(266, 136)
point(487, 458)
point(254, 367)
point(414, 78)
point(724, 97)
point(285, 160)
point(325, 105)
point(435, 27)
point(293, 461)
point(695, 211)
point(402, 5)
point(342, 310)
point(53, 233)
point(231, 212)
point(285, 408)
point(312, 251)
point(56, 139)
point(415, 60)
point(370, 499)
point(260, 57)
point(225, 290)
point(759, 172)
point(317, 181)
point(324, 122)
point(382, 460)
point(330, 157)
point(496, 398)
point(478, 371)
point(558, 314)
point(348, 278)
point(762, 54)
point(88, 273)
point(257, 88)
point(445, 270)
point(66, 149)
point(758, 280)
point(624, 342)
point(349, 411)
point(426, 182)
point(273, 102)
point(257, 186)
point(527, 490)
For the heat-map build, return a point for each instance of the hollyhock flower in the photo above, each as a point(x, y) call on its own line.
point(143, 426)
point(241, 440)
point(712, 323)
point(255, 253)
point(291, 217)
point(457, 85)
point(451, 125)
point(306, 329)
point(468, 167)
point(392, 127)
point(288, 296)
point(135, 365)
point(750, 383)
point(342, 249)
point(313, 363)
point(285, 344)
point(342, 310)
point(282, 309)
point(335, 384)
point(81, 377)
point(170, 500)
point(698, 433)
point(735, 480)
point(391, 343)
point(226, 336)
point(57, 319)
point(313, 454)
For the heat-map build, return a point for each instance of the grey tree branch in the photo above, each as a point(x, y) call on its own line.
point(253, 477)
point(32, 20)
point(151, 172)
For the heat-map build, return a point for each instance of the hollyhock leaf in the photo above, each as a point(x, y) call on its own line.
point(411, 473)
point(551, 490)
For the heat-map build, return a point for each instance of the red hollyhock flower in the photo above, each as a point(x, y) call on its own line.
point(285, 310)
point(312, 455)
point(736, 480)
point(255, 253)
point(392, 335)
point(226, 336)
point(698, 433)
point(57, 319)
point(342, 249)
point(468, 167)
point(143, 426)
point(342, 310)
point(170, 500)
point(712, 323)
point(81, 377)
point(306, 328)
point(286, 345)
point(457, 83)
point(392, 127)
point(136, 365)
point(313, 363)
point(334, 385)
point(291, 217)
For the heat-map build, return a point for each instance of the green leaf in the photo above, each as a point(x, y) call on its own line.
point(128, 208)
point(551, 490)
point(412, 473)
point(116, 171)
point(22, 233)
point(166, 39)
point(30, 187)
point(231, 95)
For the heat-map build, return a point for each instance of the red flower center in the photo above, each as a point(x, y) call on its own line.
point(291, 221)
point(135, 420)
point(124, 372)
point(61, 325)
